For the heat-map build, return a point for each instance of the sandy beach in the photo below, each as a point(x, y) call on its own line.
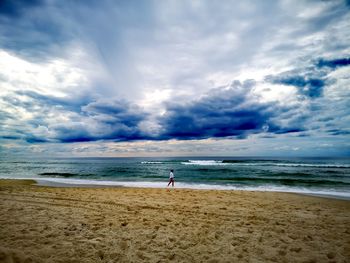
point(55, 224)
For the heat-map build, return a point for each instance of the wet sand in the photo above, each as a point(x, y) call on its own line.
point(52, 224)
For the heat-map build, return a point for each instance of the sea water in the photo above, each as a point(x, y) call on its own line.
point(324, 176)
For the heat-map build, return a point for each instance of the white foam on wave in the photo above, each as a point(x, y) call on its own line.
point(151, 162)
point(313, 165)
point(204, 162)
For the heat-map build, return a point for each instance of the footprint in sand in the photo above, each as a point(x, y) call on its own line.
point(295, 249)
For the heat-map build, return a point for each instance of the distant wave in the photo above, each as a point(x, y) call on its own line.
point(65, 175)
point(262, 163)
point(313, 165)
point(151, 162)
point(297, 165)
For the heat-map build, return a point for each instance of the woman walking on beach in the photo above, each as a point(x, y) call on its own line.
point(171, 178)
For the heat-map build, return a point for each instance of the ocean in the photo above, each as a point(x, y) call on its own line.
point(319, 176)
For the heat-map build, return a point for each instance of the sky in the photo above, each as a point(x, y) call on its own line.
point(174, 78)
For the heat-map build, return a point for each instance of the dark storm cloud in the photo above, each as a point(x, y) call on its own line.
point(80, 132)
point(222, 113)
point(73, 132)
point(119, 112)
point(72, 103)
point(338, 132)
point(311, 80)
point(311, 87)
point(32, 29)
point(10, 137)
point(14, 8)
point(333, 63)
point(88, 119)
point(21, 134)
point(34, 139)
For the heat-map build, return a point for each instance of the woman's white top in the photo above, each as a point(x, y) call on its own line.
point(171, 175)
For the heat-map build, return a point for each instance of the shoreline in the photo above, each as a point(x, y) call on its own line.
point(45, 182)
point(52, 182)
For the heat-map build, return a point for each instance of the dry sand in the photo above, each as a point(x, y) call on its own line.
point(47, 224)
